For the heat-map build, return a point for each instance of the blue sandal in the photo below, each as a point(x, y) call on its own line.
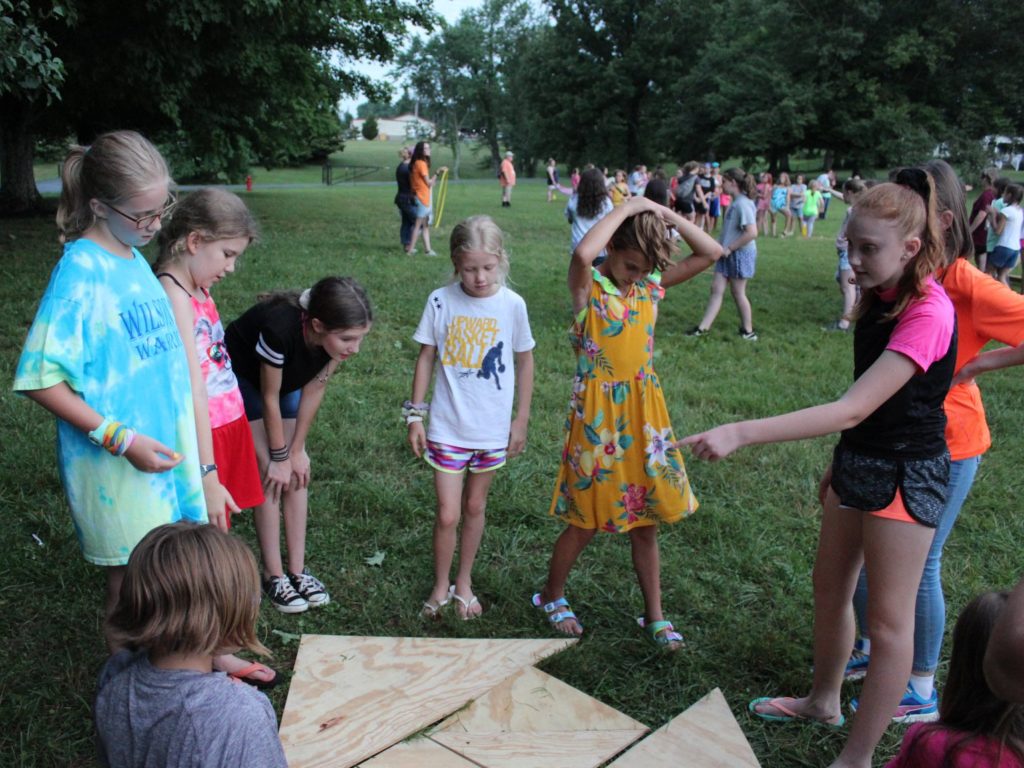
point(662, 634)
point(556, 616)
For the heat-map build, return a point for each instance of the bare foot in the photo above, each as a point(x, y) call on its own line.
point(467, 607)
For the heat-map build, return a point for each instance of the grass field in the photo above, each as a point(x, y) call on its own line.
point(736, 575)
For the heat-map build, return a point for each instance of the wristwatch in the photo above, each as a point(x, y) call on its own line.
point(205, 469)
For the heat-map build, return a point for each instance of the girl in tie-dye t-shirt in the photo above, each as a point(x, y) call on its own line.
point(105, 357)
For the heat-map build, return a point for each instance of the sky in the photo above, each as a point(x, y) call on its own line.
point(449, 9)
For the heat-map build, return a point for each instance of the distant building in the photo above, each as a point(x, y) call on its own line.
point(406, 127)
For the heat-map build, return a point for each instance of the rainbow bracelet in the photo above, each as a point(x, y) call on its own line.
point(113, 436)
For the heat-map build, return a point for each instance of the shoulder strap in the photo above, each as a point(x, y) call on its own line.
point(175, 281)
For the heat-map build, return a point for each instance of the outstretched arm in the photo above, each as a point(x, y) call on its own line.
point(883, 379)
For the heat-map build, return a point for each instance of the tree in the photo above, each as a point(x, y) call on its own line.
point(31, 76)
point(370, 130)
point(219, 84)
point(609, 65)
point(458, 74)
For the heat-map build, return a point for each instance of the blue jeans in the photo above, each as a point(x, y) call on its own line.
point(930, 611)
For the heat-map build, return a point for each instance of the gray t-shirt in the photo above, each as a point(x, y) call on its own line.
point(742, 213)
point(157, 718)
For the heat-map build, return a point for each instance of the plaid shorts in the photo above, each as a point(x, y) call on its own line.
point(455, 460)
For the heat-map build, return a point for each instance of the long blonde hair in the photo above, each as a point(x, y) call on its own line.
point(114, 167)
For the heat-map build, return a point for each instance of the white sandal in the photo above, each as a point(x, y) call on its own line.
point(431, 610)
point(467, 605)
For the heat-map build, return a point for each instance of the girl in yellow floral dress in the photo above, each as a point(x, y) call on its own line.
point(620, 471)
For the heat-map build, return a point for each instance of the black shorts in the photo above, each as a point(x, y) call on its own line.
point(700, 208)
point(869, 484)
point(684, 207)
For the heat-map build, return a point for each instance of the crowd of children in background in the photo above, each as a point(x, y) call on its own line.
point(168, 420)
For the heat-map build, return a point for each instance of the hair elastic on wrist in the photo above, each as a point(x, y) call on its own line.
point(280, 454)
point(409, 408)
point(413, 419)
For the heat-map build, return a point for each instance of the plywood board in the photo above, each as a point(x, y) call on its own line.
point(352, 697)
point(704, 736)
point(533, 719)
point(417, 753)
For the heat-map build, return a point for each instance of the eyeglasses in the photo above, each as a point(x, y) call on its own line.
point(145, 222)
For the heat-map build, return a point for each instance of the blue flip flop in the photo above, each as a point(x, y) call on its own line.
point(788, 715)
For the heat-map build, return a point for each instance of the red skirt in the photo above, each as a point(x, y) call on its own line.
point(235, 455)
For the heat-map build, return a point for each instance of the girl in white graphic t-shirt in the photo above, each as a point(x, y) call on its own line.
point(475, 337)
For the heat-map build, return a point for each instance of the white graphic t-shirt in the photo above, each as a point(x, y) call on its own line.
point(474, 373)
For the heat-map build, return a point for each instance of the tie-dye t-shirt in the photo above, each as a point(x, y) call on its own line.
point(105, 328)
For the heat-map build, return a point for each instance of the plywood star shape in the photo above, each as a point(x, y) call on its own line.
point(533, 719)
point(704, 736)
point(353, 697)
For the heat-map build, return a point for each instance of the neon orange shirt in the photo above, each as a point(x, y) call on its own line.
point(508, 173)
point(986, 310)
point(418, 181)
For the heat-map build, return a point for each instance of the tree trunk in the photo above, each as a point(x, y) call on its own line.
point(18, 193)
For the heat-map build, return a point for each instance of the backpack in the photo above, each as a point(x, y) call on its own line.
point(686, 188)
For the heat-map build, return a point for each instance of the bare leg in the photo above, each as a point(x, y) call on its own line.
point(738, 287)
point(115, 577)
point(426, 236)
point(848, 288)
point(718, 283)
point(419, 226)
point(449, 508)
point(894, 554)
point(474, 504)
point(568, 547)
point(267, 515)
point(836, 568)
point(647, 564)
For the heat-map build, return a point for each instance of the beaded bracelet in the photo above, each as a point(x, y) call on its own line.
point(280, 454)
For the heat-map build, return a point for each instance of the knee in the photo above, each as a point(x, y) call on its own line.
point(447, 517)
point(474, 508)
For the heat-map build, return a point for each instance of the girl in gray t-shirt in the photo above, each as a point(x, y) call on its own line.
point(739, 257)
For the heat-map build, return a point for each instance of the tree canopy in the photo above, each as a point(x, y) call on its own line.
point(219, 84)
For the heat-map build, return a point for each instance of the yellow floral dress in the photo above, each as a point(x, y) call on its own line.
point(619, 468)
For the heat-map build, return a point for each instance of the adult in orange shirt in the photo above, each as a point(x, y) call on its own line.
point(986, 310)
point(421, 181)
point(507, 179)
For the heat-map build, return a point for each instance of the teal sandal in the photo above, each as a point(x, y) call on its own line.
point(662, 634)
point(555, 615)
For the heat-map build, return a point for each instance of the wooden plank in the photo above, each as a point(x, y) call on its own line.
point(704, 736)
point(539, 749)
point(531, 700)
point(417, 753)
point(352, 697)
point(533, 719)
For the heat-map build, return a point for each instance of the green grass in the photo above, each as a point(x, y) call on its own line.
point(736, 575)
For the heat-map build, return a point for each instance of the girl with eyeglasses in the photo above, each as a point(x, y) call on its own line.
point(105, 357)
point(885, 488)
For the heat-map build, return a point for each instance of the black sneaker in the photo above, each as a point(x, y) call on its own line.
point(698, 331)
point(282, 595)
point(310, 588)
point(748, 335)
